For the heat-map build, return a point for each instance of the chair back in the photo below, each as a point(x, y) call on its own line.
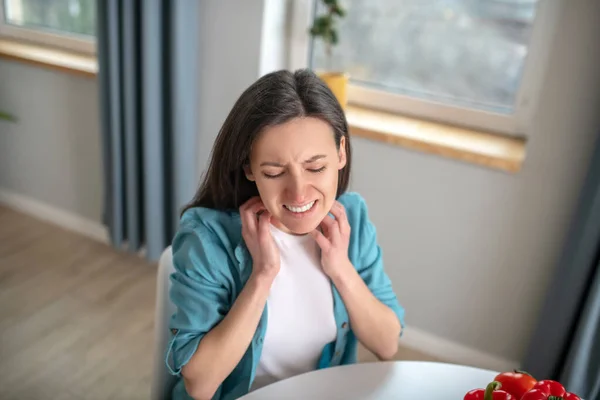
point(162, 381)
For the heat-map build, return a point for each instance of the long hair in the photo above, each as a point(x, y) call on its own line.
point(272, 100)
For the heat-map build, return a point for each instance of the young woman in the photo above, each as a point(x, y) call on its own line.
point(278, 270)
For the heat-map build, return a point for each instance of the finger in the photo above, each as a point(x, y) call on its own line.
point(264, 230)
point(330, 227)
point(249, 203)
point(251, 209)
point(249, 223)
point(256, 207)
point(321, 240)
point(324, 227)
point(339, 212)
point(248, 214)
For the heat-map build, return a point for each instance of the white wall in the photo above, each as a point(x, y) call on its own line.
point(230, 39)
point(53, 154)
point(470, 251)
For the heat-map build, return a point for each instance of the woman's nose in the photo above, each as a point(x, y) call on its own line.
point(297, 189)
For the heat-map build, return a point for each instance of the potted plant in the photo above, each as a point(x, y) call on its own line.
point(325, 28)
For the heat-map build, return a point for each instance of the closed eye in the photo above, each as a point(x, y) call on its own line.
point(317, 170)
point(272, 176)
point(313, 170)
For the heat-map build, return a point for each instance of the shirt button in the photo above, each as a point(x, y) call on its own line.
point(344, 325)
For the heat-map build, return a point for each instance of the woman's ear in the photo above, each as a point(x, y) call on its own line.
point(248, 173)
point(342, 153)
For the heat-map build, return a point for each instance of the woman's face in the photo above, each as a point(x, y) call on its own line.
point(295, 166)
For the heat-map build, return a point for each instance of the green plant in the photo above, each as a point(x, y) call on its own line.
point(7, 117)
point(324, 26)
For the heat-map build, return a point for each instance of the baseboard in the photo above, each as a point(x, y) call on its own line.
point(54, 215)
point(454, 352)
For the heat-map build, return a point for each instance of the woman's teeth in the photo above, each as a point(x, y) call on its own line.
point(302, 209)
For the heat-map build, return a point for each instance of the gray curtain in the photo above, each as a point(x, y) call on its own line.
point(148, 68)
point(566, 343)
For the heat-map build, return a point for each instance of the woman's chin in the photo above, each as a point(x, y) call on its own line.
point(299, 227)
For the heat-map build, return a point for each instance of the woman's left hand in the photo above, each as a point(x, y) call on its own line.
point(334, 241)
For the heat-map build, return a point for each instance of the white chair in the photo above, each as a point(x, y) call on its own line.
point(162, 381)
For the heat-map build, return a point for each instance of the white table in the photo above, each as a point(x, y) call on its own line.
point(378, 381)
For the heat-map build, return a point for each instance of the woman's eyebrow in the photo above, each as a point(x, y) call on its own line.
point(315, 158)
point(276, 164)
point(271, 164)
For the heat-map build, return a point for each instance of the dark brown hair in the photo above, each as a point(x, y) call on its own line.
point(273, 99)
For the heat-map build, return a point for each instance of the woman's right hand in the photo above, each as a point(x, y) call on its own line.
point(259, 241)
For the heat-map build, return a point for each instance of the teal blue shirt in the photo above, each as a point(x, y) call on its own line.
point(212, 266)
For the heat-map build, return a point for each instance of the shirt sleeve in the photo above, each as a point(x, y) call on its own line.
point(371, 269)
point(200, 293)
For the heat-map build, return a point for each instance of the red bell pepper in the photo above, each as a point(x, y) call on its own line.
point(491, 392)
point(549, 390)
point(516, 383)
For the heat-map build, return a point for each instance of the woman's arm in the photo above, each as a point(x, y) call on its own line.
point(223, 347)
point(376, 325)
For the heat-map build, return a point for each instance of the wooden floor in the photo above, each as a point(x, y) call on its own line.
point(76, 317)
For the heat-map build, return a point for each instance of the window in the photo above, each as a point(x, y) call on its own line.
point(68, 24)
point(469, 62)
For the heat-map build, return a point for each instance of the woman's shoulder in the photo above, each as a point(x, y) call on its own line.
point(363, 231)
point(203, 250)
point(207, 232)
point(356, 207)
point(209, 218)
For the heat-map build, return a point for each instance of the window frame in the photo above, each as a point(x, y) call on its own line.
point(46, 37)
point(516, 124)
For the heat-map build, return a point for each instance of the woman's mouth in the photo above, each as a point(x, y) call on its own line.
point(301, 209)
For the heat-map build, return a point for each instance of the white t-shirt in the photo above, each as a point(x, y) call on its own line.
point(300, 312)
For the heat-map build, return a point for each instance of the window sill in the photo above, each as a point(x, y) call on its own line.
point(471, 146)
point(43, 56)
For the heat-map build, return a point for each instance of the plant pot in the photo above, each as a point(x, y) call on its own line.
point(338, 83)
